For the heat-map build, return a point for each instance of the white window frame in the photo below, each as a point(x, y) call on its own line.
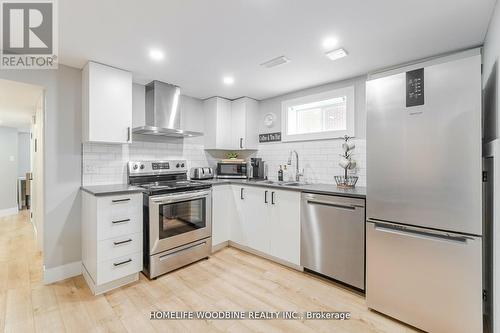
point(348, 92)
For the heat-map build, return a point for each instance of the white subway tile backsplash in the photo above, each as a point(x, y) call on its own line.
point(106, 164)
point(319, 159)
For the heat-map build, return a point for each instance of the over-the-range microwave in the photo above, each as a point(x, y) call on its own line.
point(232, 170)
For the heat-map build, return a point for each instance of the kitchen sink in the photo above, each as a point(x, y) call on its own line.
point(281, 183)
point(268, 182)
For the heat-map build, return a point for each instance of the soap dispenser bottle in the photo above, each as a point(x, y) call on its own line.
point(280, 174)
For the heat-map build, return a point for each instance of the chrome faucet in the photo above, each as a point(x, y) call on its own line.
point(298, 174)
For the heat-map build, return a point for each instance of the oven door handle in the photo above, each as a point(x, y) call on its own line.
point(171, 198)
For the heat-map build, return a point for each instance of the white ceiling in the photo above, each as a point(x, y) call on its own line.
point(205, 40)
point(17, 103)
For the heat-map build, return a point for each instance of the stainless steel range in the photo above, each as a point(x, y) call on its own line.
point(177, 215)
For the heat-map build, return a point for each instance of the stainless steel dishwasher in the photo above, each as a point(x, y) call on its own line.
point(333, 237)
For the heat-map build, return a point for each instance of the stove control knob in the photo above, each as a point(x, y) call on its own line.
point(135, 167)
point(182, 165)
point(177, 165)
point(142, 166)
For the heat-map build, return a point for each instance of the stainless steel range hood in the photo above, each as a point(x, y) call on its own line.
point(162, 112)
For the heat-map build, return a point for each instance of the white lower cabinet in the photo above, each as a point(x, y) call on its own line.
point(111, 240)
point(255, 224)
point(284, 226)
point(262, 219)
point(223, 213)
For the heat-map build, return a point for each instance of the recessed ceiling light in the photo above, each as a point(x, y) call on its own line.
point(229, 80)
point(336, 54)
point(156, 54)
point(329, 43)
point(276, 62)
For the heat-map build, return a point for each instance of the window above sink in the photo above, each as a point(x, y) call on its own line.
point(325, 115)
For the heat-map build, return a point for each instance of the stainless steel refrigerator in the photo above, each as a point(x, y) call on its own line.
point(424, 188)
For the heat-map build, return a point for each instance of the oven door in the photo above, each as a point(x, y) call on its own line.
point(179, 218)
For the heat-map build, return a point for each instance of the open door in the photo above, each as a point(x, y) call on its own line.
point(36, 188)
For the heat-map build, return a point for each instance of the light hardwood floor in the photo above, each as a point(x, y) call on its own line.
point(230, 280)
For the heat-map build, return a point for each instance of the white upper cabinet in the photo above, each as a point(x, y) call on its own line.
point(231, 125)
point(217, 127)
point(244, 123)
point(107, 104)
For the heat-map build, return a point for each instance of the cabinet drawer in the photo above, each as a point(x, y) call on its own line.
point(112, 228)
point(117, 268)
point(119, 215)
point(119, 206)
point(119, 246)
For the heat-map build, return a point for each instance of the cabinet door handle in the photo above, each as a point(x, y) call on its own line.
point(120, 221)
point(272, 197)
point(241, 143)
point(265, 196)
point(120, 200)
point(241, 193)
point(128, 134)
point(122, 262)
point(122, 242)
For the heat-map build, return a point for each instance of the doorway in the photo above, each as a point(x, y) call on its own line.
point(21, 155)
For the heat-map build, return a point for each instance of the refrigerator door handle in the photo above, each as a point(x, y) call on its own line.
point(409, 232)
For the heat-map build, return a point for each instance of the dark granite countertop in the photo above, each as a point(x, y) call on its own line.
point(328, 189)
point(102, 190)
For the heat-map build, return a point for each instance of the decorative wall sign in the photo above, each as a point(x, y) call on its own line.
point(270, 137)
point(415, 87)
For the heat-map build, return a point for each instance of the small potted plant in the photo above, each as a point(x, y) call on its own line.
point(347, 163)
point(232, 157)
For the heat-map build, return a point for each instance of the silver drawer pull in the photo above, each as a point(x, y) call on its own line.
point(122, 242)
point(408, 232)
point(122, 262)
point(120, 221)
point(120, 200)
point(166, 256)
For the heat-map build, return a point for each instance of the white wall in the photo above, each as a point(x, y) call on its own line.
point(23, 153)
point(319, 158)
point(62, 160)
point(8, 167)
point(138, 105)
point(274, 104)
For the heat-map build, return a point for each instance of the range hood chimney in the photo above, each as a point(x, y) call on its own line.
point(162, 112)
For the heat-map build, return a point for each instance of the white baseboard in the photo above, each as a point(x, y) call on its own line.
point(9, 211)
point(59, 273)
point(101, 289)
point(220, 246)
